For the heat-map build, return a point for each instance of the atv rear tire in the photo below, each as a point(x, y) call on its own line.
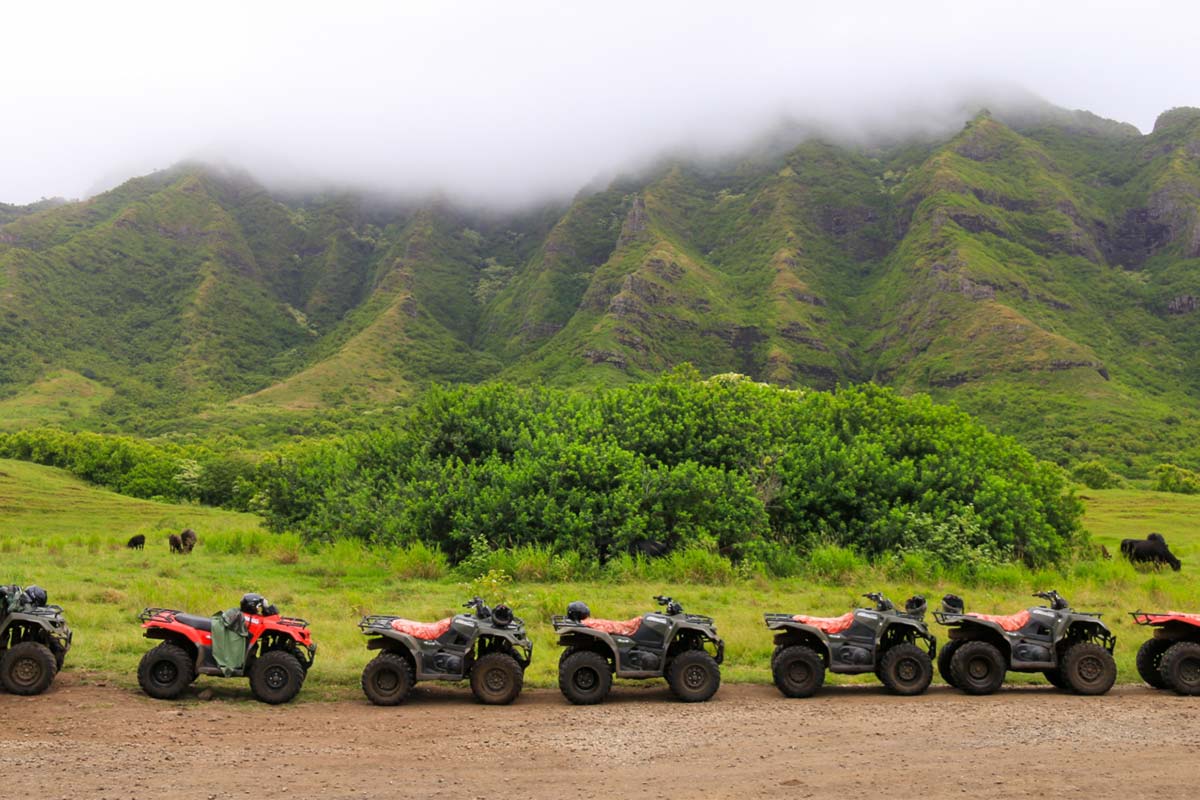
point(387, 679)
point(584, 677)
point(943, 661)
point(1181, 668)
point(276, 677)
point(977, 667)
point(27, 668)
point(165, 672)
point(1149, 661)
point(694, 676)
point(798, 671)
point(1056, 678)
point(1088, 668)
point(496, 679)
point(906, 669)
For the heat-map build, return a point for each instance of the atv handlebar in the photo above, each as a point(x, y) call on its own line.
point(481, 610)
point(673, 607)
point(1057, 601)
point(881, 602)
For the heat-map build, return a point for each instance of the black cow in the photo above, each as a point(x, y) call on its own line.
point(136, 542)
point(649, 548)
point(176, 543)
point(187, 539)
point(1151, 550)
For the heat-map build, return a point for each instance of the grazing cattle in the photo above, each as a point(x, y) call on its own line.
point(136, 542)
point(1107, 556)
point(187, 539)
point(1151, 550)
point(176, 543)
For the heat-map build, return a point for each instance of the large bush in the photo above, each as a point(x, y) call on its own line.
point(725, 465)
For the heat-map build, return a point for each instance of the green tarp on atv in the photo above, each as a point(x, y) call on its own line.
point(229, 635)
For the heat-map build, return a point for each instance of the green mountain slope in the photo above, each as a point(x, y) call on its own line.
point(1041, 268)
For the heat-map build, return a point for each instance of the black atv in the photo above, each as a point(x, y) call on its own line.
point(668, 644)
point(489, 646)
point(1073, 649)
point(895, 645)
point(34, 640)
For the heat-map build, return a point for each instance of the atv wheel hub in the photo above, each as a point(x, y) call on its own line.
point(798, 672)
point(165, 672)
point(979, 668)
point(1090, 668)
point(585, 679)
point(387, 680)
point(495, 680)
point(276, 677)
point(26, 672)
point(1189, 671)
point(695, 676)
point(907, 670)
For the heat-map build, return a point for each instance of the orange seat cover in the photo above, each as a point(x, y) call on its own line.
point(619, 627)
point(1008, 622)
point(422, 630)
point(827, 624)
point(1174, 616)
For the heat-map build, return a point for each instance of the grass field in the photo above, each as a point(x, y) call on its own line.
point(69, 537)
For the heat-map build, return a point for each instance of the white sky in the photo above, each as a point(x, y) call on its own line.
point(506, 101)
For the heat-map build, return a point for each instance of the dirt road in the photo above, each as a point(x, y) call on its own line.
point(84, 741)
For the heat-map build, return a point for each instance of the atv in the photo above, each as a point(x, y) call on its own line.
point(668, 644)
point(1073, 649)
point(490, 647)
point(1171, 659)
point(34, 640)
point(895, 645)
point(275, 652)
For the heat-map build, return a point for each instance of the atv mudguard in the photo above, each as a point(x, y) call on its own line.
point(919, 631)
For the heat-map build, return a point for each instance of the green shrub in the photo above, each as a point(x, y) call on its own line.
point(1170, 478)
point(1095, 475)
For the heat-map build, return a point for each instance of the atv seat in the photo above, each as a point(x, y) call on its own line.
point(1008, 622)
point(422, 630)
point(618, 627)
point(195, 621)
point(827, 624)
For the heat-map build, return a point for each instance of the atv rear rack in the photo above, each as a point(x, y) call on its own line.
point(1164, 618)
point(159, 614)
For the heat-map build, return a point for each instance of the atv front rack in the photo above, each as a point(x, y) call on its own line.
point(1164, 618)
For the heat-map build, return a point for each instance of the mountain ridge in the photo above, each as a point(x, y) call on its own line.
point(1044, 268)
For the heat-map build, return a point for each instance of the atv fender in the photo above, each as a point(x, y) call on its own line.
point(970, 629)
point(33, 627)
point(1089, 629)
point(904, 630)
point(789, 632)
point(703, 633)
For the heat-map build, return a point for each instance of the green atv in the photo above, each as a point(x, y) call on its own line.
point(34, 640)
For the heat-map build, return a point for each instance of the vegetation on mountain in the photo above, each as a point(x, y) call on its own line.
point(1039, 269)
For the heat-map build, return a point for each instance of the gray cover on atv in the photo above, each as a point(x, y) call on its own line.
point(229, 635)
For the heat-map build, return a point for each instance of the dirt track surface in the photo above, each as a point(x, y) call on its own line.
point(83, 742)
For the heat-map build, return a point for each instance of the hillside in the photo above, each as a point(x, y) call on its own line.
point(1041, 270)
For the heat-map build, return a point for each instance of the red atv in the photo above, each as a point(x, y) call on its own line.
point(1171, 660)
point(253, 640)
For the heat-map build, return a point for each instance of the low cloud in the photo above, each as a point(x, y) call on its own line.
point(506, 103)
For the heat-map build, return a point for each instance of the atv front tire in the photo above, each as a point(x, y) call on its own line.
point(906, 669)
point(496, 679)
point(977, 667)
point(943, 661)
point(1181, 668)
point(1088, 668)
point(276, 677)
point(584, 677)
point(165, 672)
point(27, 668)
point(1149, 661)
point(798, 671)
point(387, 679)
point(694, 676)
